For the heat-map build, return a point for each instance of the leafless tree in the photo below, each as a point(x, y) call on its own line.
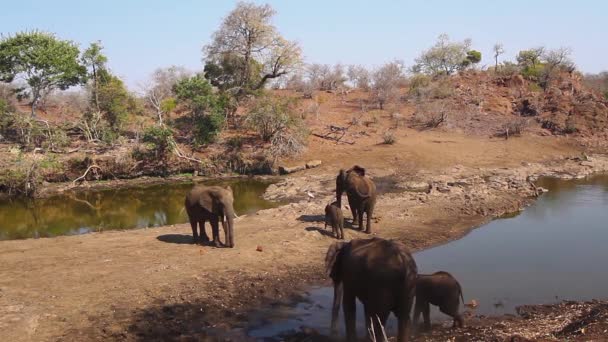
point(159, 90)
point(247, 32)
point(359, 76)
point(385, 83)
point(498, 50)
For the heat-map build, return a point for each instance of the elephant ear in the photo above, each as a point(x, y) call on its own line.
point(332, 259)
point(359, 170)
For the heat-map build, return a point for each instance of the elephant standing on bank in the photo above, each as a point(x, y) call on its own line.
point(440, 289)
point(361, 193)
point(382, 274)
point(211, 203)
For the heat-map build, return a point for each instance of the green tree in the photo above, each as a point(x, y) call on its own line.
point(530, 58)
point(206, 108)
point(94, 61)
point(115, 102)
point(43, 61)
point(443, 58)
point(247, 40)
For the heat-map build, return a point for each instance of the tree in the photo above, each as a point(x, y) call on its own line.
point(530, 58)
point(473, 56)
point(359, 77)
point(385, 83)
point(94, 61)
point(246, 38)
point(555, 61)
point(115, 102)
point(206, 108)
point(443, 58)
point(159, 92)
point(498, 50)
point(44, 62)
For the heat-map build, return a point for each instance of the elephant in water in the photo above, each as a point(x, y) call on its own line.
point(381, 274)
point(361, 193)
point(440, 289)
point(213, 204)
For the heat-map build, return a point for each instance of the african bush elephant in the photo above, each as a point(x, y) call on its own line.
point(361, 193)
point(335, 218)
point(440, 289)
point(211, 203)
point(381, 273)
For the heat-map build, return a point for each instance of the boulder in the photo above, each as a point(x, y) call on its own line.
point(416, 186)
point(284, 170)
point(313, 163)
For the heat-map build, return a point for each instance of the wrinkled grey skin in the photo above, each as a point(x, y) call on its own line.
point(440, 289)
point(361, 193)
point(335, 218)
point(213, 204)
point(381, 274)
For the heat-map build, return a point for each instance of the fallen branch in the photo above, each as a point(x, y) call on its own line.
point(180, 154)
point(337, 140)
point(84, 175)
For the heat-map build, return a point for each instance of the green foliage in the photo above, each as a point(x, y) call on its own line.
point(168, 105)
point(230, 72)
point(160, 139)
point(43, 61)
point(22, 178)
point(115, 102)
point(533, 72)
point(94, 61)
point(271, 115)
point(529, 58)
point(473, 56)
point(443, 58)
point(206, 108)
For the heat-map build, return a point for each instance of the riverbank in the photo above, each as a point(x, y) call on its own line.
point(152, 284)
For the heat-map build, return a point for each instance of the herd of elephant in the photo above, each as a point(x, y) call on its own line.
point(381, 273)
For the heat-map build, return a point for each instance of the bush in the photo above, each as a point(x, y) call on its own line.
point(533, 72)
point(23, 178)
point(160, 139)
point(419, 81)
point(388, 138)
point(272, 115)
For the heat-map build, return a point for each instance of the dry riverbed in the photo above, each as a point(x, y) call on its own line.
point(152, 284)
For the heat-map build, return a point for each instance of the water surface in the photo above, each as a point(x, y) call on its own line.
point(125, 208)
point(554, 250)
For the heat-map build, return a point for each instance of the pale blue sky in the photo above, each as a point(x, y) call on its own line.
point(141, 35)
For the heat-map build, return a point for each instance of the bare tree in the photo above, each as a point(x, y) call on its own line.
point(359, 76)
point(247, 32)
point(159, 90)
point(498, 50)
point(386, 81)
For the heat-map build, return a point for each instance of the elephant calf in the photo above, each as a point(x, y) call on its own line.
point(440, 289)
point(335, 218)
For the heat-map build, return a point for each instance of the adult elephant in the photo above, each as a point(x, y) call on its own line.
point(213, 204)
point(381, 274)
point(361, 193)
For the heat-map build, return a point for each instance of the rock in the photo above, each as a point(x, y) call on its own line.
point(588, 163)
point(284, 170)
point(443, 188)
point(313, 163)
point(259, 248)
point(416, 186)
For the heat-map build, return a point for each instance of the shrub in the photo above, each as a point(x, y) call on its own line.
point(388, 138)
point(160, 139)
point(23, 178)
point(533, 72)
point(419, 81)
point(272, 115)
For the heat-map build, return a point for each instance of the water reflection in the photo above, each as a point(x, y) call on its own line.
point(138, 207)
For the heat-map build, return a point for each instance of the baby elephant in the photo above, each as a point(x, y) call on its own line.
point(440, 289)
point(334, 217)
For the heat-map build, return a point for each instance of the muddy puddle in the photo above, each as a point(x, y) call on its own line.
point(552, 251)
point(125, 208)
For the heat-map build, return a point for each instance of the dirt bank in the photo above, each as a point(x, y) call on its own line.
point(153, 284)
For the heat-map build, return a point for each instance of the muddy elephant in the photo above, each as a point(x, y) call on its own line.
point(381, 274)
point(335, 218)
point(213, 204)
point(440, 289)
point(361, 193)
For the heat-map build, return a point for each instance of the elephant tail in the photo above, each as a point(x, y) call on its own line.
point(332, 260)
point(461, 296)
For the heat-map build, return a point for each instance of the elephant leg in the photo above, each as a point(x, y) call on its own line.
point(452, 310)
point(193, 224)
point(426, 314)
point(369, 214)
point(338, 291)
point(360, 214)
point(417, 311)
point(204, 236)
point(350, 315)
point(215, 231)
point(341, 230)
point(226, 232)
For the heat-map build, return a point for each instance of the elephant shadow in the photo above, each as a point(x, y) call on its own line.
point(180, 239)
point(312, 218)
point(326, 232)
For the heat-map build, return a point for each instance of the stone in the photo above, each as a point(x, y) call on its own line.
point(416, 186)
point(284, 170)
point(313, 163)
